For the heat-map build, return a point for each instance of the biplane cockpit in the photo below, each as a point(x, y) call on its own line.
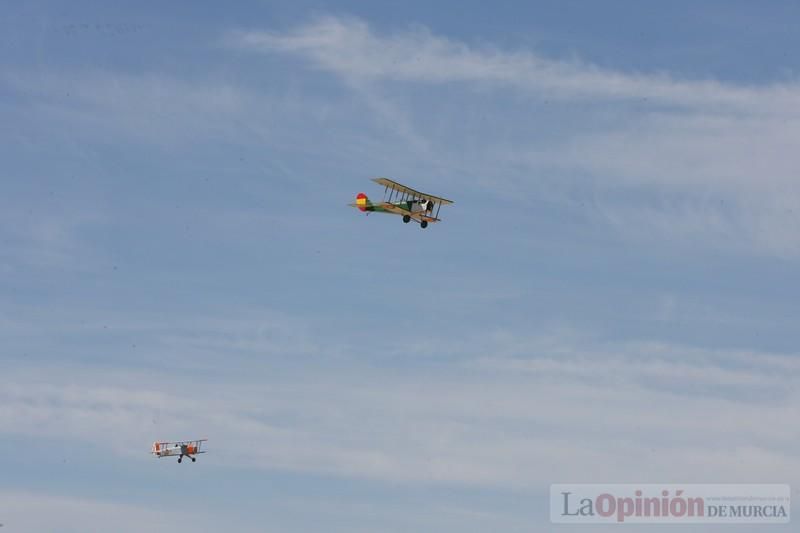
point(404, 201)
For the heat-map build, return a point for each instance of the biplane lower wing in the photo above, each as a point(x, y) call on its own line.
point(393, 209)
point(420, 217)
point(406, 210)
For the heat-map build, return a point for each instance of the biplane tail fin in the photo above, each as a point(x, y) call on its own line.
point(362, 201)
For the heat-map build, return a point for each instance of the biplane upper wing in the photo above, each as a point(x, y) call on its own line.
point(167, 448)
point(390, 184)
point(195, 444)
point(194, 441)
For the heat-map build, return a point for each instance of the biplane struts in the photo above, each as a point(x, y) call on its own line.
point(183, 448)
point(404, 201)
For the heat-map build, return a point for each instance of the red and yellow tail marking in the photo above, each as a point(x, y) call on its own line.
point(361, 201)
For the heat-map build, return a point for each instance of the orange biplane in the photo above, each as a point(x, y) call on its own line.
point(184, 448)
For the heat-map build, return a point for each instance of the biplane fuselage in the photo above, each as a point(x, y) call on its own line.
point(403, 201)
point(402, 208)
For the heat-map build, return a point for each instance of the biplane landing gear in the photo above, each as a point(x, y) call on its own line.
point(193, 459)
point(180, 459)
point(423, 224)
point(406, 219)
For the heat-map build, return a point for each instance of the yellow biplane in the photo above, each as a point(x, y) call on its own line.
point(404, 201)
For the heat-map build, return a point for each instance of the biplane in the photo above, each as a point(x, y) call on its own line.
point(404, 201)
point(184, 448)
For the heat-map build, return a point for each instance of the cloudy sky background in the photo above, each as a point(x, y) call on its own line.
point(612, 298)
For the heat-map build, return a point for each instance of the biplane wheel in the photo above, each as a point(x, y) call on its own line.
point(180, 459)
point(423, 224)
point(193, 459)
point(406, 219)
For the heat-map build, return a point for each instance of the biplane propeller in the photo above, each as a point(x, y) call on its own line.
point(404, 201)
point(183, 448)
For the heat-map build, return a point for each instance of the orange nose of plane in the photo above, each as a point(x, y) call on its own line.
point(361, 201)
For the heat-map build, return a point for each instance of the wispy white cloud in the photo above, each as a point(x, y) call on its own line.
point(692, 162)
point(349, 47)
point(516, 413)
point(661, 157)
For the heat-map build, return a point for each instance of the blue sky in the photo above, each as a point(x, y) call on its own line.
point(612, 298)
